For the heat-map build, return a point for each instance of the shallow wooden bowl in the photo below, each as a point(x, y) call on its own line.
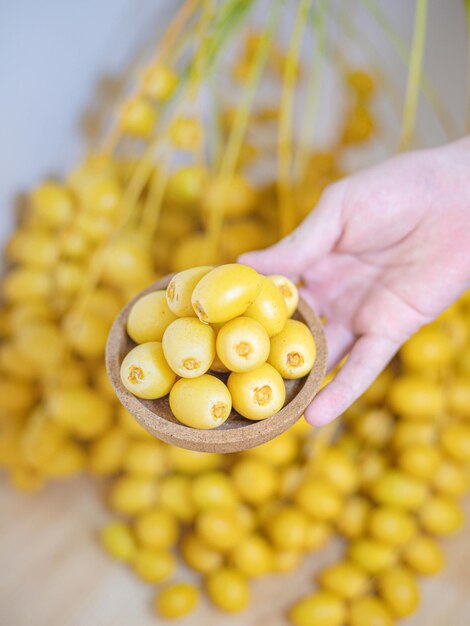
point(237, 433)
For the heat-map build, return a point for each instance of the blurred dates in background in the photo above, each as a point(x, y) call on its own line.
point(173, 185)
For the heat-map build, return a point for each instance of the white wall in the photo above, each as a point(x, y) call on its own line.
point(53, 54)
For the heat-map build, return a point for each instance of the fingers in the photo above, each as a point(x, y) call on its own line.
point(367, 359)
point(339, 340)
point(315, 237)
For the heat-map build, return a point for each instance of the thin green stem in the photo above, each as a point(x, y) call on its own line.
point(231, 155)
point(237, 134)
point(200, 53)
point(286, 221)
point(310, 109)
point(371, 52)
point(215, 125)
point(414, 74)
point(197, 71)
point(403, 52)
point(169, 39)
point(229, 17)
point(154, 200)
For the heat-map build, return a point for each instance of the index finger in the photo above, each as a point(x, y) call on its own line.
point(315, 237)
point(368, 357)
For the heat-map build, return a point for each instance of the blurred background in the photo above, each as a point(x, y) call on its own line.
point(60, 63)
point(66, 69)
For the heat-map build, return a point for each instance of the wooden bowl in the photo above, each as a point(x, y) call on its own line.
point(237, 433)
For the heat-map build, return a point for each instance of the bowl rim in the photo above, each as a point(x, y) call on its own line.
point(245, 436)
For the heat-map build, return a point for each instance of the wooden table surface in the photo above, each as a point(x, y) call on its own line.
point(54, 574)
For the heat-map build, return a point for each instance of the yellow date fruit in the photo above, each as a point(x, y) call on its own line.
point(372, 555)
point(269, 308)
point(202, 402)
point(180, 289)
point(345, 578)
point(370, 611)
point(242, 344)
point(415, 398)
point(225, 292)
point(149, 318)
point(321, 608)
point(257, 394)
point(293, 350)
point(189, 347)
point(424, 555)
point(440, 515)
point(176, 600)
point(145, 372)
point(391, 525)
point(398, 588)
point(289, 292)
point(228, 589)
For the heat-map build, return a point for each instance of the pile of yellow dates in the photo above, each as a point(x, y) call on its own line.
point(389, 483)
point(390, 479)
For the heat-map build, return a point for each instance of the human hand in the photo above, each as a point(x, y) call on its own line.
point(383, 253)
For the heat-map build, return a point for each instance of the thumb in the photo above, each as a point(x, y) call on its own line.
point(310, 241)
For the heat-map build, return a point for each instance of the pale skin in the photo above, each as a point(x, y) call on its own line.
point(383, 253)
